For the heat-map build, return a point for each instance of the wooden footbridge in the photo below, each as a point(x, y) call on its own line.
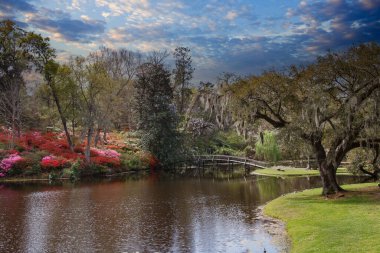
point(202, 161)
point(230, 160)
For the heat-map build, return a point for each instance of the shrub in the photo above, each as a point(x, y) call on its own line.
point(104, 153)
point(51, 163)
point(7, 163)
point(34, 169)
point(249, 151)
point(107, 161)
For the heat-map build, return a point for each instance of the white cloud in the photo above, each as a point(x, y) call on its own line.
point(75, 5)
point(105, 14)
point(303, 4)
point(231, 15)
point(120, 7)
point(289, 13)
point(85, 18)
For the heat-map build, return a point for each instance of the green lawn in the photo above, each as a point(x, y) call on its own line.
point(345, 224)
point(295, 172)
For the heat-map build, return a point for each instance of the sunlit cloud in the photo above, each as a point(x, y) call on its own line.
point(240, 36)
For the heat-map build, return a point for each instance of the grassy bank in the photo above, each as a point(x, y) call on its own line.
point(294, 172)
point(345, 224)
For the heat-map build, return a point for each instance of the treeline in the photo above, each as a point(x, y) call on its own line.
point(322, 110)
point(87, 97)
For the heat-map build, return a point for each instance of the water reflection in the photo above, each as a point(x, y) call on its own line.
point(145, 215)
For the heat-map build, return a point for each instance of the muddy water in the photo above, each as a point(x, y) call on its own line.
point(146, 215)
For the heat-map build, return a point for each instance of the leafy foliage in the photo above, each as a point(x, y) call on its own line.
point(157, 118)
point(267, 148)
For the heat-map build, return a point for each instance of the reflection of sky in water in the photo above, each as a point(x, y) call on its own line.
point(144, 216)
point(39, 206)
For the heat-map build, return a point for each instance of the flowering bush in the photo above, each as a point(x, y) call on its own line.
point(52, 162)
point(105, 153)
point(7, 163)
point(105, 157)
point(50, 151)
point(108, 161)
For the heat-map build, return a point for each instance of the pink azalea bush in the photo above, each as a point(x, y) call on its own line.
point(105, 153)
point(52, 162)
point(8, 162)
point(106, 157)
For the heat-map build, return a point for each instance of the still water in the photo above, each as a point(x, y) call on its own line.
point(149, 214)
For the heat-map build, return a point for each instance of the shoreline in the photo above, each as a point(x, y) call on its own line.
point(306, 230)
point(276, 228)
point(46, 177)
point(294, 172)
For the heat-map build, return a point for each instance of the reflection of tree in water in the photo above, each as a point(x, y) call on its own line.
point(156, 214)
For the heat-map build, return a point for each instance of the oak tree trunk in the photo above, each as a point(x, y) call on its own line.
point(327, 170)
point(329, 182)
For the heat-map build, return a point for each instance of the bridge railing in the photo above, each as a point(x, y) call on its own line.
point(234, 159)
point(246, 161)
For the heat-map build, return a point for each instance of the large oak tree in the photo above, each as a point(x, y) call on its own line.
point(332, 105)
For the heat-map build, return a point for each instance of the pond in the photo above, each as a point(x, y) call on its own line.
point(149, 214)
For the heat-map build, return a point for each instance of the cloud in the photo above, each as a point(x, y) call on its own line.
point(121, 7)
point(335, 24)
point(228, 35)
point(75, 4)
point(105, 14)
point(231, 15)
point(63, 27)
point(370, 4)
point(12, 6)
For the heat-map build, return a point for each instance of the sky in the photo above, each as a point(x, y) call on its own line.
point(239, 36)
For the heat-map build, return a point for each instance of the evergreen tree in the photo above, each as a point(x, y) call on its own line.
point(156, 113)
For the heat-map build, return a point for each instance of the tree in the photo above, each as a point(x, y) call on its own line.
point(183, 73)
point(57, 79)
point(365, 161)
point(89, 76)
point(157, 120)
point(20, 51)
point(61, 87)
point(267, 148)
point(120, 67)
point(332, 104)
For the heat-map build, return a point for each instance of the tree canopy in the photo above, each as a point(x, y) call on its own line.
point(332, 104)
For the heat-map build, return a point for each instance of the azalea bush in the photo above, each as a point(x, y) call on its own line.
point(8, 163)
point(107, 161)
point(36, 152)
point(106, 157)
point(52, 162)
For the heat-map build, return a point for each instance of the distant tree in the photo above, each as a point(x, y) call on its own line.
point(89, 76)
point(20, 52)
point(225, 79)
point(267, 148)
point(183, 73)
point(156, 114)
point(332, 105)
point(60, 86)
point(365, 161)
point(120, 68)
